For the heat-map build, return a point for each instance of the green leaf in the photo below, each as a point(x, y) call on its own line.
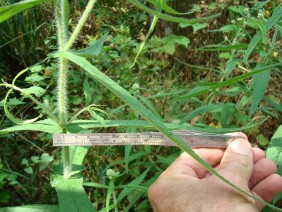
point(34, 78)
point(224, 55)
point(274, 150)
point(171, 18)
point(32, 208)
point(72, 196)
point(45, 160)
point(260, 82)
point(10, 10)
point(147, 114)
point(198, 26)
point(46, 125)
point(36, 90)
point(94, 48)
point(13, 101)
point(28, 170)
point(109, 194)
point(170, 41)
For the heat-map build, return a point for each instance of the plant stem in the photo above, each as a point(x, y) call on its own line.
point(61, 12)
point(80, 24)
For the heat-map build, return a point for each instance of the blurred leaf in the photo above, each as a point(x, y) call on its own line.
point(94, 49)
point(169, 43)
point(36, 90)
point(13, 101)
point(28, 170)
point(224, 55)
point(34, 78)
point(10, 10)
point(46, 125)
point(260, 82)
point(198, 26)
point(274, 150)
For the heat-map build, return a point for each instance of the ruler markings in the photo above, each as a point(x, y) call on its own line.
point(191, 138)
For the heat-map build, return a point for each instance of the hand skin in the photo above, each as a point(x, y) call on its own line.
point(186, 186)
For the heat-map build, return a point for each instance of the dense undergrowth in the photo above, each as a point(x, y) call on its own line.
point(218, 75)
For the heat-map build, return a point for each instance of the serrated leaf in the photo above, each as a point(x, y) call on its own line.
point(10, 10)
point(260, 82)
point(94, 48)
point(36, 90)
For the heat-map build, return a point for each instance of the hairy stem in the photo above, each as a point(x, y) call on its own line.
point(61, 13)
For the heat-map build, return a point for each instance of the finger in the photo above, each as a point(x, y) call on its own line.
point(258, 154)
point(187, 165)
point(237, 162)
point(267, 192)
point(262, 169)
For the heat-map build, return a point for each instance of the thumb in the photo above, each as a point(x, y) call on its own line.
point(237, 162)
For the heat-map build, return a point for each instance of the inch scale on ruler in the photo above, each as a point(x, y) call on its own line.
point(191, 138)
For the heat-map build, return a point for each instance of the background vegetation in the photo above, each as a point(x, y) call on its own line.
point(197, 76)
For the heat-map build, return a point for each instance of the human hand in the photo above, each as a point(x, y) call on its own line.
point(187, 186)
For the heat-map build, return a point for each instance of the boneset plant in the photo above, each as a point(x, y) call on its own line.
point(67, 178)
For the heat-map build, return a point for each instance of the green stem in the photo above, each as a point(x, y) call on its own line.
point(80, 24)
point(61, 13)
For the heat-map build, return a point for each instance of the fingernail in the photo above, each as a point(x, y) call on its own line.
point(241, 146)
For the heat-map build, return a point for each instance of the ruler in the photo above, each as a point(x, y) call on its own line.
point(191, 138)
